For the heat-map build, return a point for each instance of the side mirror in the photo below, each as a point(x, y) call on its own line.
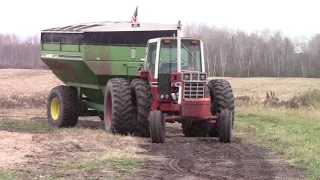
point(140, 67)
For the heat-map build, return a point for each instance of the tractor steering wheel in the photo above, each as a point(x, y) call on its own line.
point(176, 61)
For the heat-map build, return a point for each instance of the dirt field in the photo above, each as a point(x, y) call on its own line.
point(29, 88)
point(284, 88)
point(33, 149)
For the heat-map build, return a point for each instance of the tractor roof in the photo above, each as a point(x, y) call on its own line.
point(108, 26)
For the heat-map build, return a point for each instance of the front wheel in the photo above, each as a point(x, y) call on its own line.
point(225, 126)
point(157, 127)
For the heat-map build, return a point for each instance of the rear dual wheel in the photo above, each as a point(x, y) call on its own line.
point(118, 107)
point(222, 103)
point(141, 95)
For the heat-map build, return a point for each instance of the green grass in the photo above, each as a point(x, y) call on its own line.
point(78, 168)
point(18, 174)
point(25, 126)
point(80, 164)
point(295, 137)
point(106, 167)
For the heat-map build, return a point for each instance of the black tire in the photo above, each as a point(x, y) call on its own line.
point(62, 106)
point(222, 97)
point(225, 126)
point(141, 95)
point(117, 107)
point(157, 127)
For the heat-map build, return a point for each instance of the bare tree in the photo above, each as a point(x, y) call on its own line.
point(227, 52)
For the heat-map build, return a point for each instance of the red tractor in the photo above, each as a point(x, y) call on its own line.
point(173, 87)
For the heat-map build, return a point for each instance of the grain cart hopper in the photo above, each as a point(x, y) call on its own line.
point(135, 77)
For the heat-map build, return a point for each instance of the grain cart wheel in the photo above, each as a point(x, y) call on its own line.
point(141, 102)
point(157, 127)
point(117, 107)
point(225, 126)
point(62, 107)
point(222, 97)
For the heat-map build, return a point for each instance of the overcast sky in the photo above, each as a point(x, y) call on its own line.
point(293, 18)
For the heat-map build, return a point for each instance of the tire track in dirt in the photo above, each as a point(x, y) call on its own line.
point(206, 158)
point(174, 163)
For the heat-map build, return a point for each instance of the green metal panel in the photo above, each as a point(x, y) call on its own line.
point(50, 47)
point(71, 71)
point(113, 60)
point(61, 48)
point(92, 75)
point(112, 53)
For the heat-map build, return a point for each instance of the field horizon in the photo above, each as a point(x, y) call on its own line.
point(30, 87)
point(265, 126)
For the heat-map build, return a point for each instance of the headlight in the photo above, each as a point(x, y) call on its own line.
point(161, 96)
point(167, 96)
point(202, 77)
point(186, 77)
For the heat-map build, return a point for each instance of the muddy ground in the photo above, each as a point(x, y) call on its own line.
point(42, 149)
point(178, 158)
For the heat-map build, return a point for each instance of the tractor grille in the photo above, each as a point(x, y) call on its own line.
point(194, 90)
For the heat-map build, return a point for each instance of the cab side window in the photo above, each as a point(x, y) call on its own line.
point(152, 52)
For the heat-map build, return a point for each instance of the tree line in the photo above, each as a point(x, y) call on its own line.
point(16, 52)
point(235, 53)
point(228, 53)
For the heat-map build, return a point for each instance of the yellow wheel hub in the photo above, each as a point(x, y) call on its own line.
point(55, 109)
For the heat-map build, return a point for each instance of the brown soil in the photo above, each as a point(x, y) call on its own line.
point(179, 158)
point(206, 158)
point(14, 147)
point(25, 87)
point(26, 82)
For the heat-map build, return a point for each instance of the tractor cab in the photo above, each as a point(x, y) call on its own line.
point(170, 74)
point(162, 56)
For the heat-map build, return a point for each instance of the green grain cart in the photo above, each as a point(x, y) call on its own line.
point(134, 76)
point(86, 56)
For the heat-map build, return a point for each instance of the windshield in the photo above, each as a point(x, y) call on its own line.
point(190, 56)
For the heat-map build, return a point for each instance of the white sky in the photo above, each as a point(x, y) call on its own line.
point(293, 18)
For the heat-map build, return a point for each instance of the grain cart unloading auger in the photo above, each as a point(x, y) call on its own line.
point(100, 63)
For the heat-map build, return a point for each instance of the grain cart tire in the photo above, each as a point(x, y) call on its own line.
point(225, 126)
point(117, 107)
point(157, 127)
point(141, 102)
point(62, 107)
point(222, 97)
